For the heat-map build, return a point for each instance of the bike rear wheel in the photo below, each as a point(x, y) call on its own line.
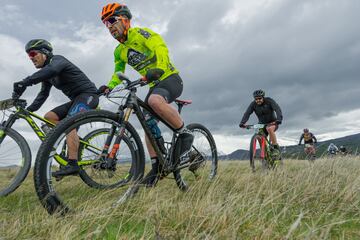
point(15, 161)
point(93, 128)
point(202, 159)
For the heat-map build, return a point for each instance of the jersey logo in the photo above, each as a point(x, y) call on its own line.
point(144, 33)
point(135, 57)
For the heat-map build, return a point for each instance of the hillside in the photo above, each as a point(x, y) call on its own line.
point(351, 142)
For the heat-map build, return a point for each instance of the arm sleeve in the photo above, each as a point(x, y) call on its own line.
point(119, 67)
point(248, 112)
point(41, 97)
point(157, 44)
point(52, 69)
point(314, 138)
point(277, 109)
point(301, 138)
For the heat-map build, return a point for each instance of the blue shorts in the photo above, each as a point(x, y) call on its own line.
point(81, 103)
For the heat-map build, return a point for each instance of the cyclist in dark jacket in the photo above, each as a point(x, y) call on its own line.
point(267, 111)
point(309, 142)
point(57, 71)
point(308, 137)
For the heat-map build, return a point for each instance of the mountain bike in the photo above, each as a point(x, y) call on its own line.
point(262, 154)
point(309, 149)
point(121, 133)
point(15, 154)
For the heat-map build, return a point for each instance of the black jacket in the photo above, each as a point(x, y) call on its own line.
point(267, 112)
point(64, 75)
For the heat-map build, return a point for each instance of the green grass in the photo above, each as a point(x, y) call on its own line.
point(299, 201)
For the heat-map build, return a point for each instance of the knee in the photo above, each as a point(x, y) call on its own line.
point(51, 116)
point(270, 130)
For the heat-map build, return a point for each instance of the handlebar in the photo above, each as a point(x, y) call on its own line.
point(258, 126)
point(127, 84)
point(12, 102)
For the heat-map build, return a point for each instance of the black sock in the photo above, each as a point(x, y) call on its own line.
point(155, 164)
point(73, 162)
point(179, 130)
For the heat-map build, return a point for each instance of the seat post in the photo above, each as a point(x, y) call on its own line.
point(180, 106)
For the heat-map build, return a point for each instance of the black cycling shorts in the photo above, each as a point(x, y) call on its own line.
point(81, 103)
point(170, 88)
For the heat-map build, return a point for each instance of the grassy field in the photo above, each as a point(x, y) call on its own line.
point(299, 201)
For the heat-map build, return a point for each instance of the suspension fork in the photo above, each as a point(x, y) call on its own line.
point(263, 147)
point(7, 124)
point(123, 119)
point(2, 133)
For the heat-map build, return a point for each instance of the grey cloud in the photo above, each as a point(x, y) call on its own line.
point(305, 54)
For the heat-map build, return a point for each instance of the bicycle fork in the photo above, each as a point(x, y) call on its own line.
point(262, 143)
point(109, 157)
point(2, 134)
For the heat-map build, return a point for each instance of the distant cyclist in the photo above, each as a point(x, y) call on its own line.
point(268, 112)
point(332, 149)
point(146, 52)
point(343, 150)
point(309, 141)
point(57, 71)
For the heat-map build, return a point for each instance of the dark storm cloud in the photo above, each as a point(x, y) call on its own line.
point(304, 54)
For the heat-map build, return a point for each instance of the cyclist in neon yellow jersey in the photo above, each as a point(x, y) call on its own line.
point(147, 53)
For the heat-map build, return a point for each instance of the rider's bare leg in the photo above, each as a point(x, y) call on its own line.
point(271, 130)
point(72, 139)
point(165, 110)
point(150, 148)
point(52, 117)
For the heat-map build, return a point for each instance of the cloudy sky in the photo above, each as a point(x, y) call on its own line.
point(304, 54)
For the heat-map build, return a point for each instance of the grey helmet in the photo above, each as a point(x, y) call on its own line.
point(39, 44)
point(259, 93)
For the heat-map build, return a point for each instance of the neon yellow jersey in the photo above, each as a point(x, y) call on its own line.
point(143, 50)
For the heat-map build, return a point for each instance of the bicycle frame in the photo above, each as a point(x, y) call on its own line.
point(134, 104)
point(28, 116)
point(263, 140)
point(264, 145)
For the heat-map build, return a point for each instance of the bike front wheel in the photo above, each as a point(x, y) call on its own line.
point(201, 161)
point(258, 153)
point(97, 175)
point(15, 160)
point(92, 128)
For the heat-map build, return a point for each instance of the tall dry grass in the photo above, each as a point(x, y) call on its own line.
point(299, 201)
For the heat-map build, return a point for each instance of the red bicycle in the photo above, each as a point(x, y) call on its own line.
point(262, 154)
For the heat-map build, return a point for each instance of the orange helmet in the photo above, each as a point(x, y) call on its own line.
point(115, 9)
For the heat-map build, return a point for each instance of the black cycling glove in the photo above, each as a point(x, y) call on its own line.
point(103, 89)
point(19, 89)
